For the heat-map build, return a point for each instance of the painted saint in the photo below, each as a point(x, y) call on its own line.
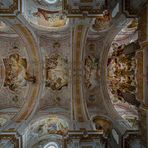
point(56, 72)
point(102, 22)
point(50, 18)
point(15, 72)
point(91, 71)
point(121, 74)
point(52, 125)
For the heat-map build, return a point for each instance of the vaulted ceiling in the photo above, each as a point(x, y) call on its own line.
point(64, 61)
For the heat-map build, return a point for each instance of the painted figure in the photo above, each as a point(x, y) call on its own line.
point(53, 125)
point(102, 22)
point(91, 71)
point(121, 74)
point(56, 72)
point(50, 18)
point(16, 72)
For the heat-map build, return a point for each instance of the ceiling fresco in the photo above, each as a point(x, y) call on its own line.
point(71, 69)
point(46, 14)
point(4, 27)
point(53, 126)
point(52, 5)
point(91, 71)
point(56, 72)
point(16, 72)
point(14, 76)
point(57, 61)
point(4, 118)
point(94, 45)
point(92, 76)
point(121, 69)
point(102, 23)
point(6, 31)
point(102, 124)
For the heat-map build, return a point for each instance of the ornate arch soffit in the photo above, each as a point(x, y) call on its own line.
point(33, 93)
